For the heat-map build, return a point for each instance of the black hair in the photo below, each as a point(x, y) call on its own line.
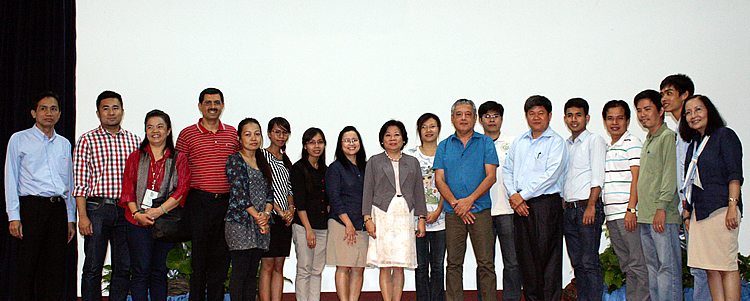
point(576, 102)
point(107, 94)
point(260, 159)
point(616, 103)
point(210, 91)
point(422, 119)
point(680, 82)
point(361, 156)
point(35, 101)
point(649, 94)
point(284, 125)
point(401, 128)
point(169, 141)
point(714, 120)
point(491, 105)
point(537, 100)
point(306, 137)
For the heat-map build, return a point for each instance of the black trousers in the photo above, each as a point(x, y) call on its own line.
point(243, 284)
point(41, 252)
point(210, 254)
point(538, 239)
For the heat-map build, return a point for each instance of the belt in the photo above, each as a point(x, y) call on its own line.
point(51, 199)
point(103, 200)
point(576, 204)
point(209, 194)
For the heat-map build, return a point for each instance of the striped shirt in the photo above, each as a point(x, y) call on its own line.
point(625, 153)
point(282, 186)
point(99, 160)
point(207, 153)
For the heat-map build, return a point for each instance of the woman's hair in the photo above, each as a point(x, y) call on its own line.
point(714, 119)
point(165, 117)
point(306, 137)
point(284, 125)
point(260, 159)
point(422, 119)
point(340, 156)
point(401, 128)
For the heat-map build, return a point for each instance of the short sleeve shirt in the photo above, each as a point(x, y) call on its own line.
point(622, 155)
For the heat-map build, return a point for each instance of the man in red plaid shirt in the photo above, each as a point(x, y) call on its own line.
point(98, 163)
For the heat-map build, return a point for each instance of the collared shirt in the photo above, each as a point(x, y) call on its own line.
point(586, 165)
point(99, 160)
point(625, 153)
point(681, 147)
point(156, 174)
point(344, 186)
point(498, 194)
point(536, 167)
point(309, 187)
point(207, 153)
point(36, 165)
point(464, 167)
point(657, 178)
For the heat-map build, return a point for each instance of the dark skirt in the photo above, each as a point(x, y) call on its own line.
point(281, 238)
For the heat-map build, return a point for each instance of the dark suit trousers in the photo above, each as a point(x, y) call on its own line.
point(210, 254)
point(539, 247)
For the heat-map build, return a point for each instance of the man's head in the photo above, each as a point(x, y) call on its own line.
point(616, 115)
point(649, 108)
point(463, 116)
point(46, 110)
point(577, 115)
point(675, 89)
point(109, 109)
point(211, 103)
point(538, 113)
point(491, 116)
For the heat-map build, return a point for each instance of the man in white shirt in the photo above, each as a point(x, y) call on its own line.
point(620, 198)
point(583, 216)
point(491, 119)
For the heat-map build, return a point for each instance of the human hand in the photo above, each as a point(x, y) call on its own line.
point(631, 221)
point(154, 213)
point(468, 218)
point(421, 228)
point(432, 217)
point(84, 225)
point(71, 230)
point(15, 229)
point(659, 219)
point(311, 240)
point(370, 226)
point(144, 219)
point(731, 219)
point(350, 235)
point(589, 215)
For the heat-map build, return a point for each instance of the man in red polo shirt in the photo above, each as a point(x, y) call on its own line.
point(207, 145)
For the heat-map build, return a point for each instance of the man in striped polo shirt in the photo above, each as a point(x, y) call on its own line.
point(207, 145)
point(98, 163)
point(620, 197)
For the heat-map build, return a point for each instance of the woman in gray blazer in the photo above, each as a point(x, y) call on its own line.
point(392, 195)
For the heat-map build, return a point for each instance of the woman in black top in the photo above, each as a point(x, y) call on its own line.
point(310, 228)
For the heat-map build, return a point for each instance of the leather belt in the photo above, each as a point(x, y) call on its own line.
point(576, 204)
point(209, 194)
point(103, 200)
point(51, 199)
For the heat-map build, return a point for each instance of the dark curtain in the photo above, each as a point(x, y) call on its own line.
point(38, 53)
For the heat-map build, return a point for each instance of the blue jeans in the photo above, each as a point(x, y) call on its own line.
point(148, 259)
point(429, 273)
point(664, 261)
point(109, 227)
point(503, 228)
point(582, 242)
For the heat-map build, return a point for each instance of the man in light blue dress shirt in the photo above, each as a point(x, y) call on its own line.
point(533, 174)
point(41, 211)
point(584, 212)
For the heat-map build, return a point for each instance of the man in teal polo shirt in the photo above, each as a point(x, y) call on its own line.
point(465, 166)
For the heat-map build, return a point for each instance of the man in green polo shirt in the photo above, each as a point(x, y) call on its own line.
point(658, 217)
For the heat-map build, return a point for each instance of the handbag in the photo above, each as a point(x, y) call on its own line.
point(172, 226)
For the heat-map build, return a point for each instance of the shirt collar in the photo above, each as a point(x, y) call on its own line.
point(474, 135)
point(662, 127)
point(41, 135)
point(546, 133)
point(203, 130)
point(101, 130)
point(167, 152)
point(624, 136)
point(580, 137)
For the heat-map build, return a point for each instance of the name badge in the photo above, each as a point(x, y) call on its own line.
point(148, 199)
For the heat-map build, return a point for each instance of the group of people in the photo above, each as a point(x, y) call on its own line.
point(402, 208)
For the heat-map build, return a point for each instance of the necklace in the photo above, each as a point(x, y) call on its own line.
point(394, 160)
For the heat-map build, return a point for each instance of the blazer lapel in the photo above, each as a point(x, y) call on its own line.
point(389, 172)
point(403, 172)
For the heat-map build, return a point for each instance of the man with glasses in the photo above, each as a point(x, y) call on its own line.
point(207, 145)
point(465, 169)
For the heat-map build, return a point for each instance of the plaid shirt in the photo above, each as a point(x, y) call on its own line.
point(99, 160)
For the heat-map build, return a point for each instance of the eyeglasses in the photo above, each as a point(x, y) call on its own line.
point(491, 116)
point(280, 132)
point(431, 127)
point(314, 142)
point(353, 140)
point(693, 112)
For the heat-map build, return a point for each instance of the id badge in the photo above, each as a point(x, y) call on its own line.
point(148, 199)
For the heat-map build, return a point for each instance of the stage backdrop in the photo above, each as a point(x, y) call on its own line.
point(335, 63)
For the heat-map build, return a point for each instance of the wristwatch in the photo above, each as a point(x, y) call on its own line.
point(631, 210)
